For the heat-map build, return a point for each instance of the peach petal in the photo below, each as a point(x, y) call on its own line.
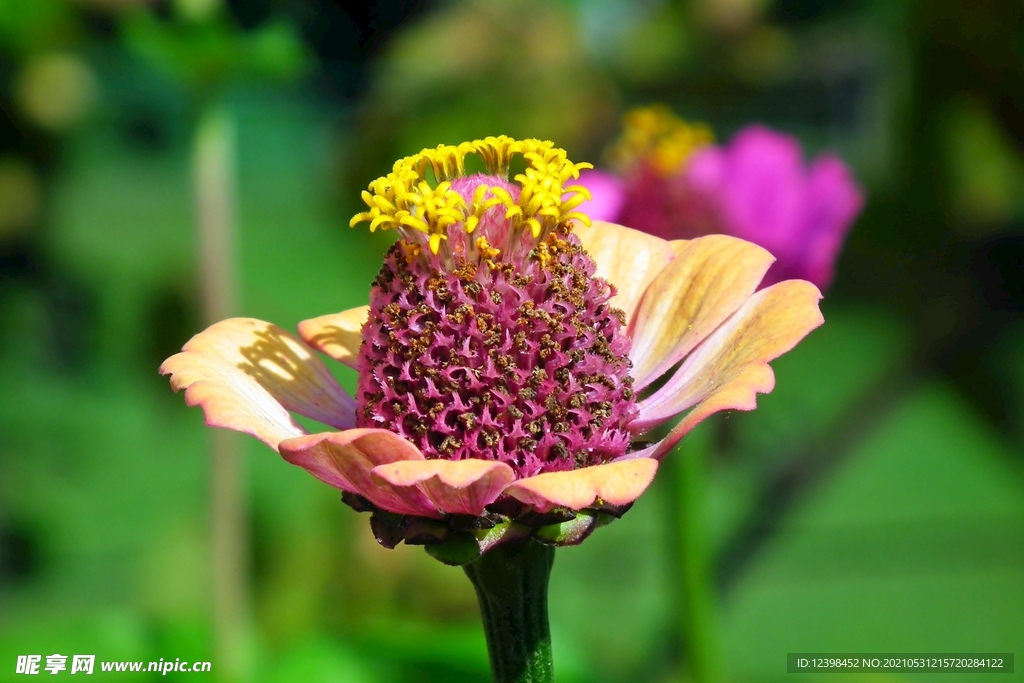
point(627, 258)
point(678, 246)
point(461, 487)
point(704, 285)
point(338, 334)
point(248, 374)
point(346, 460)
point(615, 483)
point(647, 451)
point(731, 367)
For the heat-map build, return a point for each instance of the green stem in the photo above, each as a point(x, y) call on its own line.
point(511, 584)
point(698, 623)
point(213, 175)
point(213, 172)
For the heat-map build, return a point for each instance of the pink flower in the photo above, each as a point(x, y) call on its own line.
point(766, 195)
point(756, 188)
point(507, 357)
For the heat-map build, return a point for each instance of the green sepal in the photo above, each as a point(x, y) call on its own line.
point(574, 531)
point(463, 547)
point(460, 548)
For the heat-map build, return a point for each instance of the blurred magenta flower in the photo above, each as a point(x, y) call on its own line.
point(757, 188)
point(509, 358)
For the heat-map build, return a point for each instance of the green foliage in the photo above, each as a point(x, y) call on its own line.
point(208, 53)
point(916, 544)
point(28, 26)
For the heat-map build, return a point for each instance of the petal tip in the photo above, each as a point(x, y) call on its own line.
point(615, 483)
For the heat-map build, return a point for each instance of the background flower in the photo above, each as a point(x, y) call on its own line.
point(756, 187)
point(765, 193)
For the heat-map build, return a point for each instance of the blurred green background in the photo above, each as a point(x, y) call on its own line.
point(873, 503)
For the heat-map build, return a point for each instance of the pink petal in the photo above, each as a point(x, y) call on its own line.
point(833, 202)
point(764, 188)
point(627, 258)
point(338, 334)
point(462, 487)
point(704, 285)
point(767, 195)
point(731, 367)
point(606, 195)
point(346, 460)
point(614, 483)
point(706, 169)
point(248, 374)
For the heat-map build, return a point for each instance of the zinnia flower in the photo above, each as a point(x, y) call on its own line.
point(511, 359)
point(671, 182)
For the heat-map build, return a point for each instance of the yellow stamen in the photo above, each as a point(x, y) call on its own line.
point(656, 136)
point(486, 250)
point(404, 199)
point(549, 248)
point(435, 241)
point(497, 152)
point(411, 250)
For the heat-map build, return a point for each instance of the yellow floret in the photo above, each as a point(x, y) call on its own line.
point(486, 250)
point(656, 135)
point(405, 200)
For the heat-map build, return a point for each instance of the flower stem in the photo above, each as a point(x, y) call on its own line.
point(698, 622)
point(511, 584)
point(213, 170)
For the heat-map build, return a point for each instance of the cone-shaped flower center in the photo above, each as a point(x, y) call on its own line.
point(489, 335)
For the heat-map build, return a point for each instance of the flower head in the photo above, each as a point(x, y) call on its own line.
point(488, 335)
point(508, 356)
point(757, 188)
